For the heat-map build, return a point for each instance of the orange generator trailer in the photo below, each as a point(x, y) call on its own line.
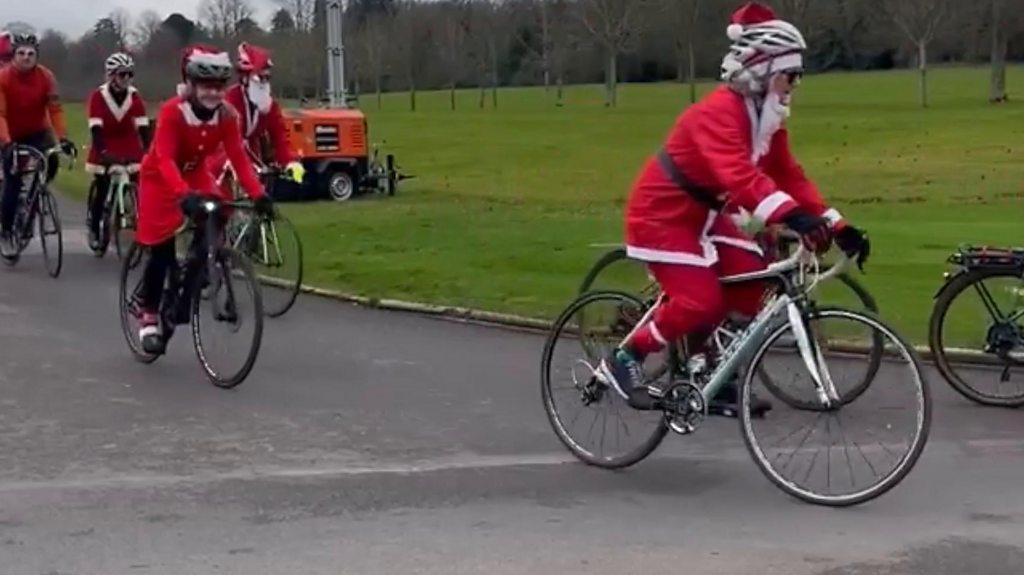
point(333, 142)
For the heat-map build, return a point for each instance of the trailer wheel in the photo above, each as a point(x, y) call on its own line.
point(339, 186)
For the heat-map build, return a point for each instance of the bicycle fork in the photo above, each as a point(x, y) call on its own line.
point(814, 361)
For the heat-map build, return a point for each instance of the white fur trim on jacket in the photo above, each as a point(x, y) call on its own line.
point(771, 204)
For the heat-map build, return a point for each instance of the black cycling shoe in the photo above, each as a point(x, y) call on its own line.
point(727, 403)
point(625, 375)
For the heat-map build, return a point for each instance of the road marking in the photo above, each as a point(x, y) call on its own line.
point(430, 466)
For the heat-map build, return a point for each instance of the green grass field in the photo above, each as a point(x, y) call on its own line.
point(507, 203)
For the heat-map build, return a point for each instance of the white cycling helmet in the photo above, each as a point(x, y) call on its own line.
point(762, 45)
point(119, 62)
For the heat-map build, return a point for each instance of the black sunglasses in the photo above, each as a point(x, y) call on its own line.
point(794, 75)
point(125, 74)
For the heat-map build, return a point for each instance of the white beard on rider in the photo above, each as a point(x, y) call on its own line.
point(257, 91)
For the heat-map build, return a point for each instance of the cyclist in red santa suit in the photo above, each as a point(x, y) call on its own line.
point(260, 115)
point(175, 177)
point(727, 153)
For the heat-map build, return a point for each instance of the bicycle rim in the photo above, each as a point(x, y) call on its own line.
point(277, 260)
point(124, 221)
point(961, 330)
point(132, 267)
point(588, 417)
point(50, 235)
point(227, 323)
point(856, 451)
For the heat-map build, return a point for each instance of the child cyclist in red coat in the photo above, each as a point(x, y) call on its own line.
point(726, 154)
point(175, 175)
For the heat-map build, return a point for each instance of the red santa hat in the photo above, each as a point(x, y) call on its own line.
point(749, 14)
point(6, 46)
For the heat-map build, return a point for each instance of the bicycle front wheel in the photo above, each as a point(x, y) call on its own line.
point(590, 418)
point(50, 235)
point(133, 267)
point(275, 250)
point(856, 449)
point(124, 221)
point(227, 320)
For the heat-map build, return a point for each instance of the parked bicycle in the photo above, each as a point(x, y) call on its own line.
point(977, 325)
point(213, 288)
point(37, 208)
point(840, 443)
point(120, 211)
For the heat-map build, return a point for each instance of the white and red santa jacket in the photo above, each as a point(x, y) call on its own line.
point(713, 145)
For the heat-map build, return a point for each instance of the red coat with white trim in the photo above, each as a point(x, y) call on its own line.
point(712, 143)
point(177, 165)
point(257, 125)
point(119, 124)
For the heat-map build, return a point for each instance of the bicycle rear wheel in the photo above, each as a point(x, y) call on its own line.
point(50, 236)
point(275, 250)
point(591, 419)
point(977, 335)
point(130, 298)
point(851, 452)
point(227, 320)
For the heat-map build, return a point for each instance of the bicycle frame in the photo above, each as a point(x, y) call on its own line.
point(120, 179)
point(267, 237)
point(785, 307)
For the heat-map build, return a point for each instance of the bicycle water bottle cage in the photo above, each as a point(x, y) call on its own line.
point(983, 257)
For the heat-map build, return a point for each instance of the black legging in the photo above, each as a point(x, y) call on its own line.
point(41, 141)
point(161, 260)
point(102, 186)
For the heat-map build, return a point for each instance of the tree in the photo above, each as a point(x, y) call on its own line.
point(375, 34)
point(412, 43)
point(1004, 21)
point(181, 27)
point(282, 22)
point(53, 46)
point(615, 25)
point(684, 15)
point(454, 29)
point(301, 11)
point(223, 16)
point(146, 26)
point(920, 21)
point(122, 23)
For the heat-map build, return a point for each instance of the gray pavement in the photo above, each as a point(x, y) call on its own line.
point(369, 442)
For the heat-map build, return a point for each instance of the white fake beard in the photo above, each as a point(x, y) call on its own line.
point(258, 93)
point(774, 112)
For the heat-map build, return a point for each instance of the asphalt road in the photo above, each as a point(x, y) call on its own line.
point(368, 442)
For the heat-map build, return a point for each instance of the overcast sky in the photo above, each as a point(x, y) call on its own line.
point(76, 16)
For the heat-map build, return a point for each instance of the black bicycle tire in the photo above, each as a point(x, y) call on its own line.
point(130, 191)
point(296, 287)
point(238, 262)
point(956, 286)
point(550, 410)
point(909, 461)
point(50, 211)
point(126, 266)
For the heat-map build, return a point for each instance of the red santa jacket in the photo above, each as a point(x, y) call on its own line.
point(712, 143)
point(177, 165)
point(255, 126)
point(119, 124)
